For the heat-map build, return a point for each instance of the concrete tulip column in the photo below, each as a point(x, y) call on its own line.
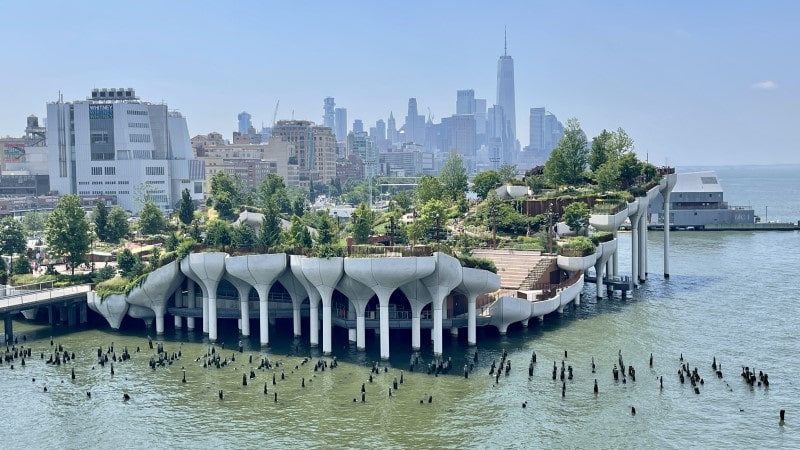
point(190, 300)
point(445, 278)
point(113, 308)
point(155, 291)
point(635, 212)
point(298, 293)
point(383, 276)
point(243, 290)
point(475, 282)
point(259, 271)
point(418, 295)
point(296, 267)
point(667, 184)
point(178, 304)
point(359, 295)
point(186, 268)
point(324, 274)
point(209, 269)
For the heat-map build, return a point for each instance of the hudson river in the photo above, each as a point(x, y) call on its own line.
point(731, 295)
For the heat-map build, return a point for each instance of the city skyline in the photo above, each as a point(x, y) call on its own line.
point(692, 84)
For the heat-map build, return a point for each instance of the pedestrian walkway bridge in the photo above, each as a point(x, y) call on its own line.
point(18, 299)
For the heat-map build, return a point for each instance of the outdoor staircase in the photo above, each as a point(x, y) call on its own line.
point(514, 266)
point(542, 267)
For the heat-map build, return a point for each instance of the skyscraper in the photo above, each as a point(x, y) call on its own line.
point(245, 124)
point(392, 129)
point(465, 101)
point(415, 124)
point(358, 125)
point(329, 116)
point(505, 92)
point(340, 123)
point(537, 134)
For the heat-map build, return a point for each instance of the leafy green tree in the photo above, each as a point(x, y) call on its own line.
point(67, 231)
point(629, 169)
point(272, 188)
point(363, 221)
point(219, 233)
point(126, 261)
point(620, 144)
point(222, 182)
point(568, 160)
point(298, 233)
point(507, 172)
point(223, 203)
point(117, 226)
point(402, 200)
point(12, 237)
point(101, 221)
point(433, 218)
point(325, 231)
point(243, 236)
point(186, 208)
point(600, 150)
point(151, 219)
point(171, 242)
point(414, 232)
point(33, 222)
point(607, 175)
point(299, 207)
point(269, 232)
point(454, 177)
point(194, 231)
point(21, 265)
point(576, 216)
point(428, 188)
point(485, 182)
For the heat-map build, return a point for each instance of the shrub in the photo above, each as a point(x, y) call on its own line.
point(578, 246)
point(602, 236)
point(477, 263)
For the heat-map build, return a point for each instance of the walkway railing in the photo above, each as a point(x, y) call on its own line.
point(33, 298)
point(25, 288)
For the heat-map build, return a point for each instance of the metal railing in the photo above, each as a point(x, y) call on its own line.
point(39, 296)
point(25, 288)
point(378, 251)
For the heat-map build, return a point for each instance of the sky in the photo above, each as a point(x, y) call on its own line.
point(693, 83)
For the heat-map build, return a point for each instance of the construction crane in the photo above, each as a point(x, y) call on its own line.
point(275, 114)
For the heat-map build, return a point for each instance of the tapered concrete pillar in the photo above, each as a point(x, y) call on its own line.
point(208, 269)
point(190, 302)
point(206, 318)
point(178, 304)
point(598, 270)
point(642, 248)
point(447, 276)
point(298, 293)
point(243, 291)
point(296, 267)
point(384, 276)
point(666, 194)
point(473, 283)
point(359, 295)
point(615, 257)
point(416, 332)
point(260, 272)
point(324, 274)
point(156, 291)
point(472, 334)
point(635, 209)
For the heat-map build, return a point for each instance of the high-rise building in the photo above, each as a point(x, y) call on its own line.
point(360, 144)
point(462, 135)
point(414, 128)
point(328, 113)
point(537, 135)
point(358, 126)
point(553, 131)
point(480, 116)
point(465, 102)
point(114, 144)
point(340, 123)
point(380, 130)
point(314, 149)
point(245, 123)
point(392, 129)
point(505, 93)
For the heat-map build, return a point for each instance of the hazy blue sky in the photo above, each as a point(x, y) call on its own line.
point(713, 82)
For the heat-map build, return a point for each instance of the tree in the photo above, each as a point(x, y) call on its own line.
point(117, 226)
point(269, 232)
point(21, 265)
point(243, 236)
point(620, 144)
point(172, 242)
point(186, 208)
point(126, 261)
point(568, 160)
point(454, 177)
point(222, 182)
point(576, 216)
point(507, 171)
point(607, 175)
point(600, 151)
point(363, 220)
point(272, 188)
point(101, 220)
point(629, 169)
point(33, 222)
point(325, 232)
point(219, 233)
point(485, 182)
point(403, 200)
point(223, 203)
point(414, 232)
point(298, 233)
point(299, 207)
point(151, 219)
point(428, 188)
point(12, 237)
point(67, 231)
